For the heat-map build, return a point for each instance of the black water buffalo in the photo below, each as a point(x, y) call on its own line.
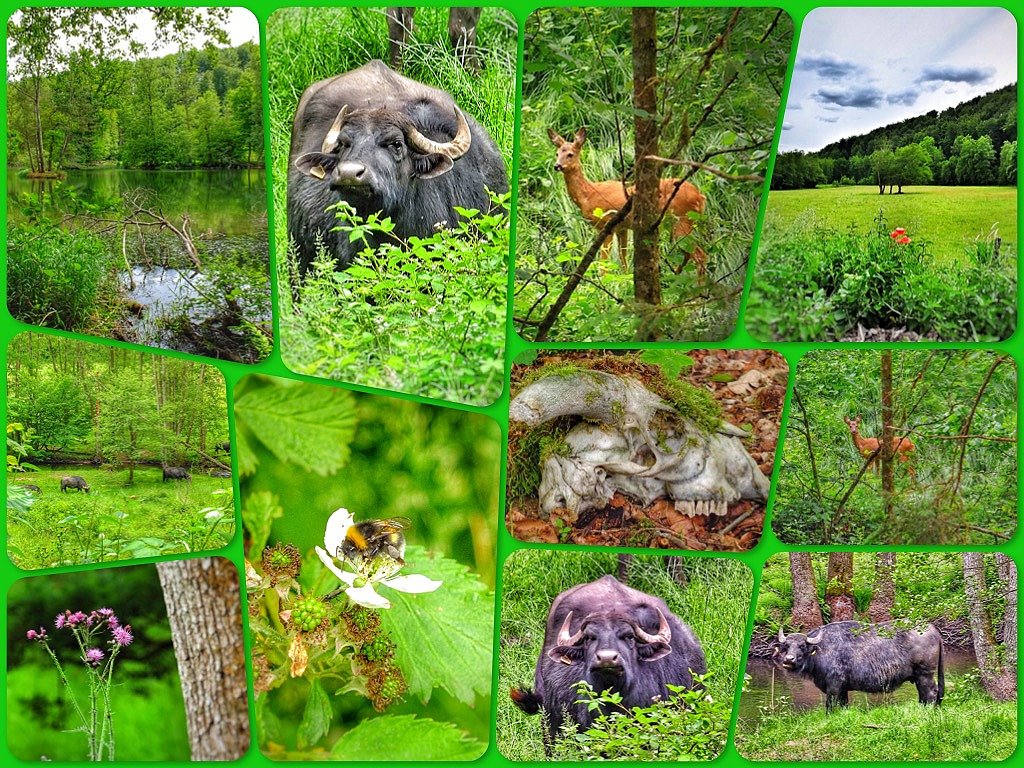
point(384, 144)
point(175, 473)
point(614, 638)
point(33, 488)
point(73, 481)
point(876, 658)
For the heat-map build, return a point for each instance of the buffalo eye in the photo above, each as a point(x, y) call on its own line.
point(627, 637)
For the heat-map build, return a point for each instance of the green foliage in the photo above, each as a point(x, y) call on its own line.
point(409, 738)
point(690, 725)
point(54, 275)
point(425, 316)
point(578, 72)
point(934, 394)
point(708, 594)
point(819, 283)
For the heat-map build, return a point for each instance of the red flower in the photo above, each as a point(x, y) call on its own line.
point(903, 240)
point(898, 232)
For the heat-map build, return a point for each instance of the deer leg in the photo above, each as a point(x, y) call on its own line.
point(622, 235)
point(682, 228)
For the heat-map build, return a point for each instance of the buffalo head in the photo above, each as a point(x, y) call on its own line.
point(794, 651)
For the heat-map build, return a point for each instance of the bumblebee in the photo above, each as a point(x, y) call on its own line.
point(366, 541)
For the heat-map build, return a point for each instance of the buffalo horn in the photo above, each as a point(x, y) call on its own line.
point(664, 631)
point(782, 637)
point(332, 135)
point(814, 640)
point(454, 149)
point(564, 638)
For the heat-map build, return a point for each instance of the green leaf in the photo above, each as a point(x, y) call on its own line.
point(316, 718)
point(261, 509)
point(406, 737)
point(670, 361)
point(305, 424)
point(445, 638)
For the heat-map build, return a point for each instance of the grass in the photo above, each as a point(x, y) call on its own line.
point(972, 729)
point(116, 521)
point(950, 218)
point(715, 602)
point(309, 44)
point(149, 715)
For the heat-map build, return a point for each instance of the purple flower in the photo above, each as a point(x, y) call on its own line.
point(93, 657)
point(36, 634)
point(123, 635)
point(75, 618)
point(60, 621)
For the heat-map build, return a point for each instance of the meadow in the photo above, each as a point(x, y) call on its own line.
point(950, 218)
point(117, 521)
point(848, 264)
point(712, 596)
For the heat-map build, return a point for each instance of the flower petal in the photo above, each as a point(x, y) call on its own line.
point(367, 597)
point(337, 526)
point(413, 583)
point(346, 577)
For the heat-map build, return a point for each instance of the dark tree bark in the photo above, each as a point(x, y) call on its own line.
point(204, 609)
point(646, 278)
point(883, 594)
point(997, 664)
point(806, 613)
point(839, 590)
point(885, 457)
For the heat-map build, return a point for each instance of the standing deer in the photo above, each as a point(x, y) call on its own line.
point(902, 447)
point(609, 196)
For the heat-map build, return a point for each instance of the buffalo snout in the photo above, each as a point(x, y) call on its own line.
point(349, 174)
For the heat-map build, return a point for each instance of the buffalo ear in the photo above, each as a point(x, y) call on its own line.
point(316, 164)
point(653, 651)
point(431, 166)
point(565, 654)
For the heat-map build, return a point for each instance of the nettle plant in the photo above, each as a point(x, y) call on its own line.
point(98, 653)
point(348, 621)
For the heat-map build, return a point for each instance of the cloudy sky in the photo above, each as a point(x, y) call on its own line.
point(861, 68)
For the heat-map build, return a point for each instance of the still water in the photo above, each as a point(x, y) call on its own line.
point(222, 201)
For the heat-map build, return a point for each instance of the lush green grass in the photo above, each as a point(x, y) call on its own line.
point(710, 595)
point(972, 729)
point(950, 218)
point(116, 521)
point(149, 714)
point(455, 352)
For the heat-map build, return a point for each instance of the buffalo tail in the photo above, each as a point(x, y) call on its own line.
point(526, 700)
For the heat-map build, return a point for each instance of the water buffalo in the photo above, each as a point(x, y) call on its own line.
point(614, 638)
point(176, 473)
point(877, 658)
point(33, 488)
point(73, 481)
point(383, 144)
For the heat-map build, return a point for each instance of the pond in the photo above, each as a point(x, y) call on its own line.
point(767, 679)
point(221, 201)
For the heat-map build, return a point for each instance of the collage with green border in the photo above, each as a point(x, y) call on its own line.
point(497, 413)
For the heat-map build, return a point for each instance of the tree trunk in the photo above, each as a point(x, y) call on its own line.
point(806, 611)
point(1008, 576)
point(885, 457)
point(204, 609)
point(999, 677)
point(839, 590)
point(883, 594)
point(646, 278)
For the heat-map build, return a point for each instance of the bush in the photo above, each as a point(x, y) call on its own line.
point(53, 275)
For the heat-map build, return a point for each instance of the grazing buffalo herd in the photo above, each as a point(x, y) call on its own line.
point(78, 483)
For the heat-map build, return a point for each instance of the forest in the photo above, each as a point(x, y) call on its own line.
point(338, 674)
point(114, 422)
point(969, 598)
point(970, 144)
point(947, 474)
point(136, 195)
point(678, 107)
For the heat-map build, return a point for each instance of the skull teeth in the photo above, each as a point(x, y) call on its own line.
point(701, 507)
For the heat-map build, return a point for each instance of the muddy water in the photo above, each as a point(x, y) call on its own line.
point(769, 682)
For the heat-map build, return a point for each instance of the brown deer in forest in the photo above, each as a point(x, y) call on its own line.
point(902, 447)
point(607, 197)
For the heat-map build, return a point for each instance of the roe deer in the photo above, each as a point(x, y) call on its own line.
point(610, 196)
point(902, 447)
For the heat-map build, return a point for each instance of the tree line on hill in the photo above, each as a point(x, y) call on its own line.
point(974, 143)
point(195, 108)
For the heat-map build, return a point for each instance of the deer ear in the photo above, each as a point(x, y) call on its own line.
point(557, 140)
point(581, 135)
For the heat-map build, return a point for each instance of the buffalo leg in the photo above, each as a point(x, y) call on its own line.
point(399, 29)
point(462, 35)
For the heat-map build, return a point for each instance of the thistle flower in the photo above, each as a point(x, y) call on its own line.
point(123, 635)
point(93, 657)
point(39, 635)
point(361, 585)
